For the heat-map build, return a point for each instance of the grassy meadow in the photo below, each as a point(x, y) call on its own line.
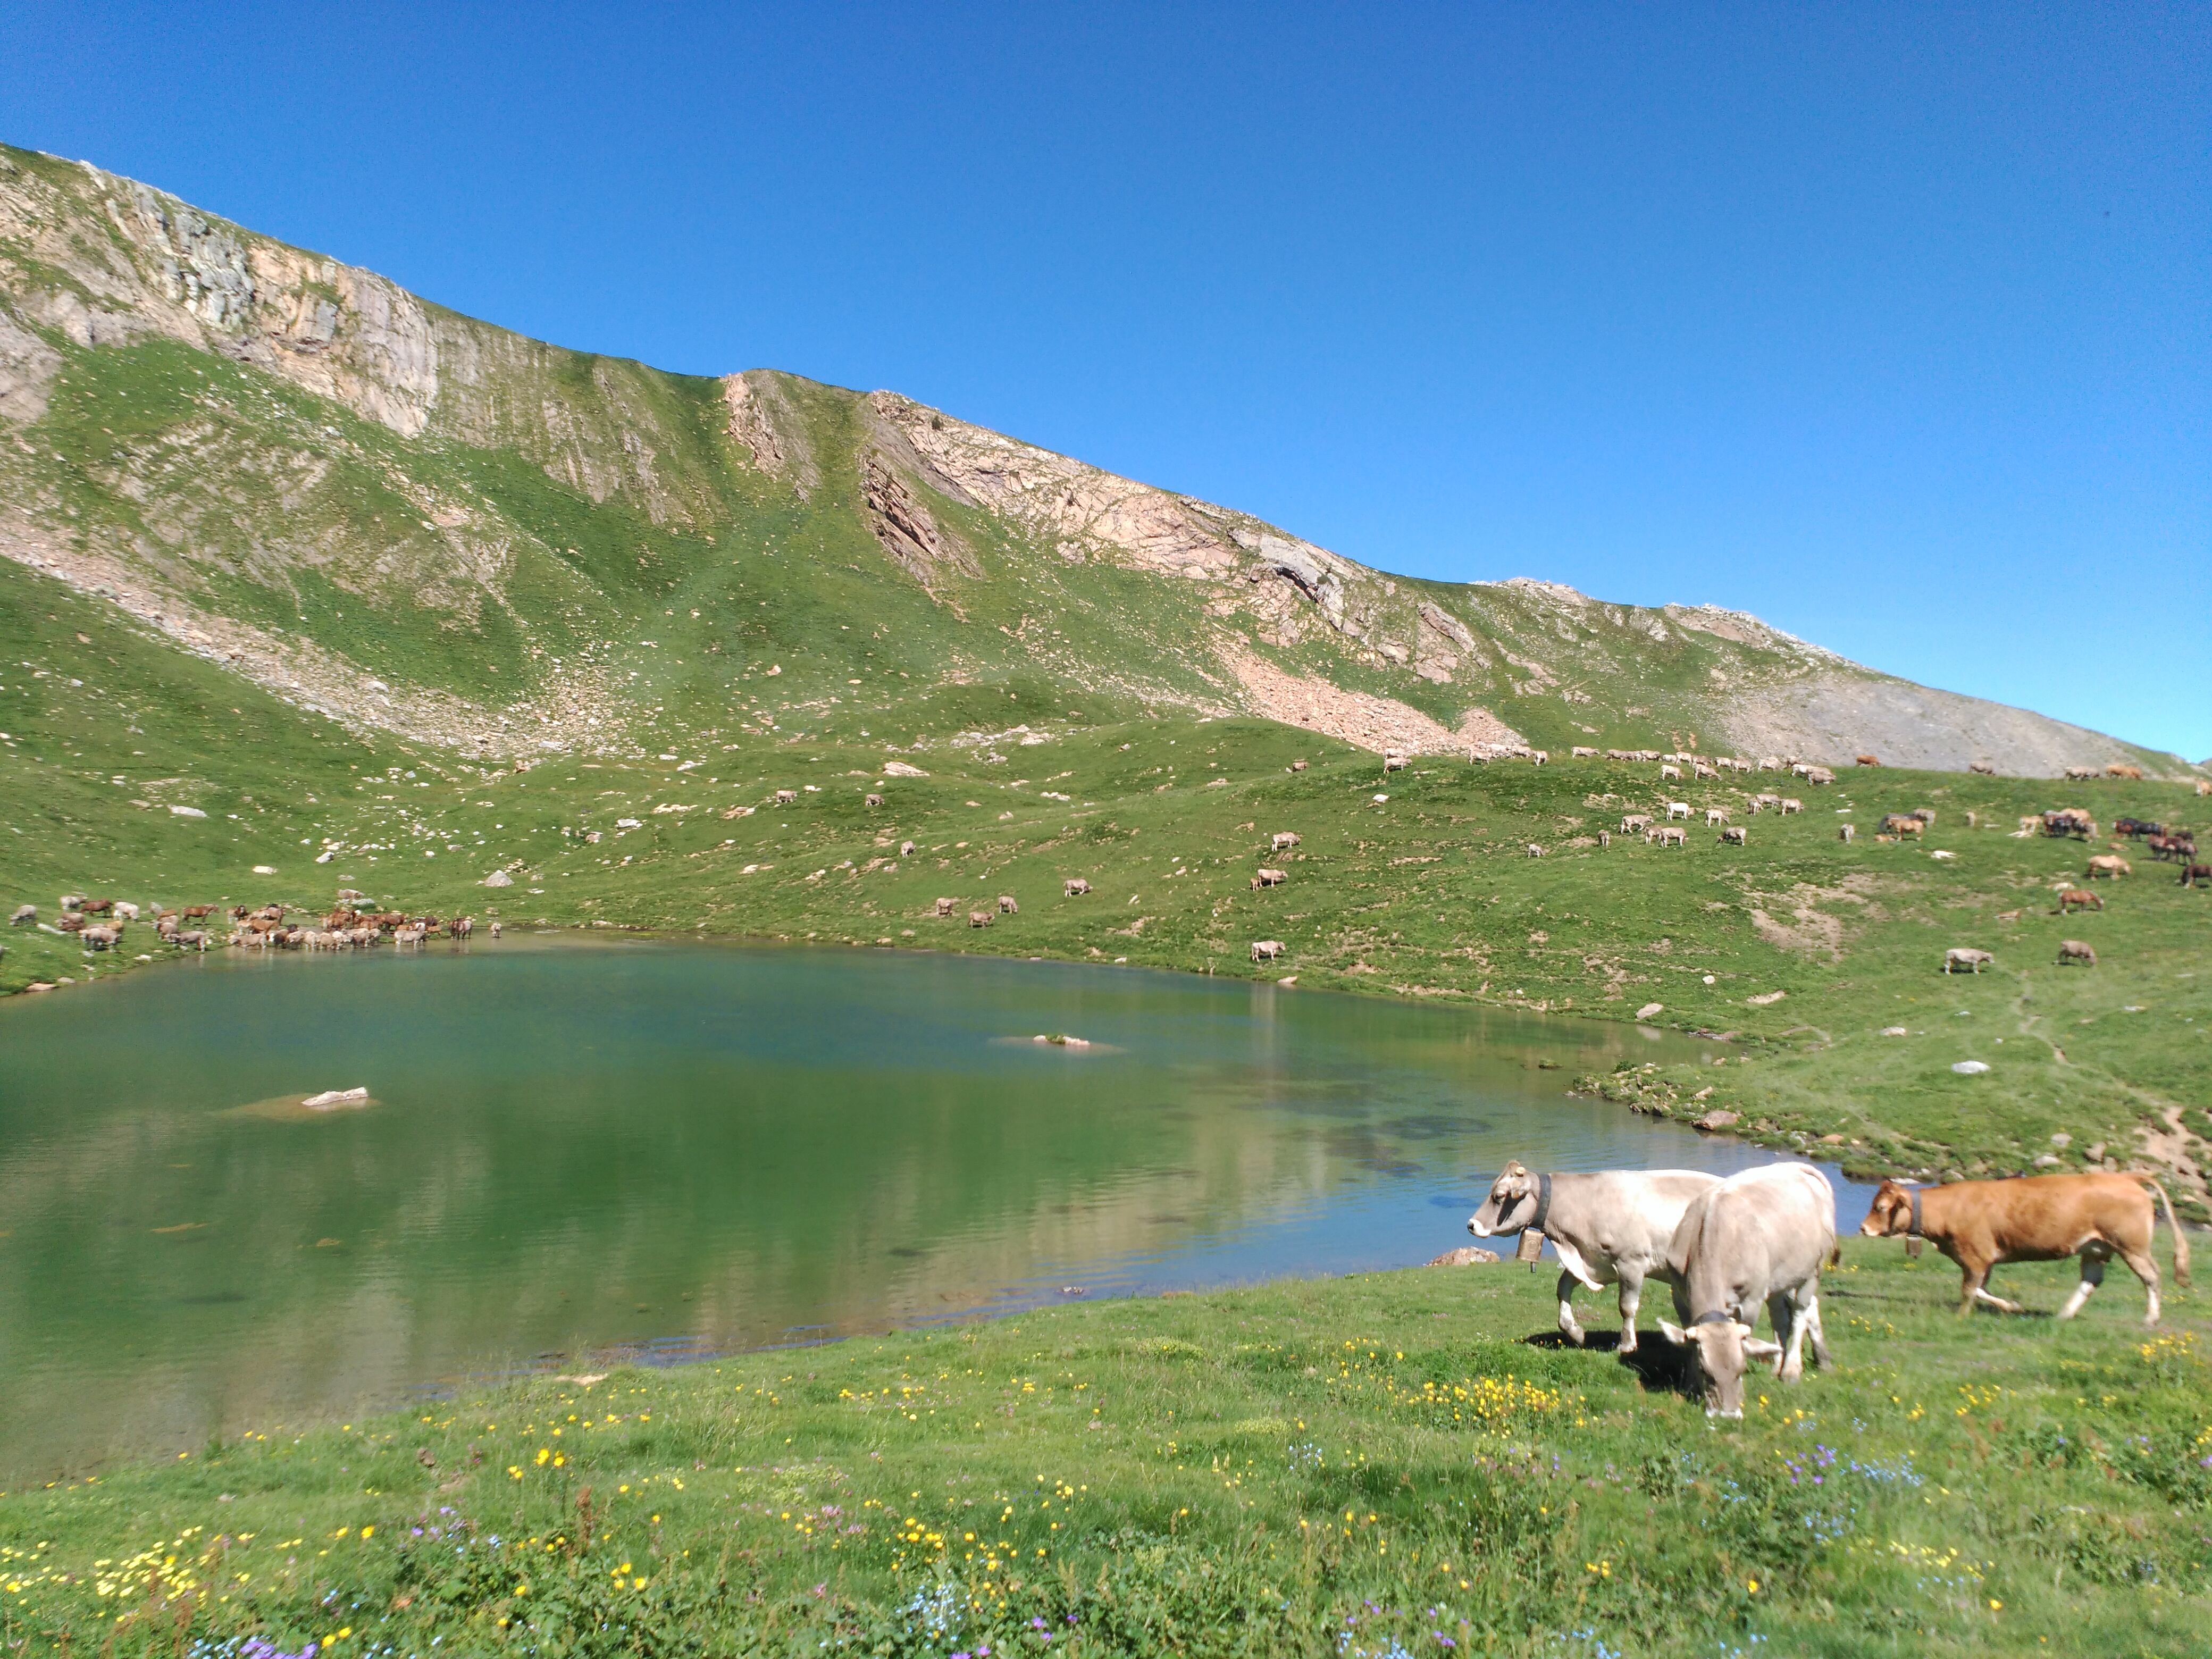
point(1390, 1464)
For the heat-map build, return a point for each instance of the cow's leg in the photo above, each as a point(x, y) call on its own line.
point(1819, 1337)
point(1574, 1332)
point(1984, 1294)
point(1789, 1321)
point(1632, 1297)
point(2145, 1268)
point(2093, 1274)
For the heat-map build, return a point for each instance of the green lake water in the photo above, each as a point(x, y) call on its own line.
point(586, 1150)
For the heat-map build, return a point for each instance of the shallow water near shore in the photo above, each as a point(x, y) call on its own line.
point(579, 1150)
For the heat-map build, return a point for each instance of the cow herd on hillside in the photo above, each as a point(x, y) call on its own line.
point(98, 924)
point(1728, 1246)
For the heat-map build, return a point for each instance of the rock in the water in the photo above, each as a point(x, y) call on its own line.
point(1721, 1118)
point(1467, 1256)
point(330, 1098)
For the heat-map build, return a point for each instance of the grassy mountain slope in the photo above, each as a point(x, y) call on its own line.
point(396, 599)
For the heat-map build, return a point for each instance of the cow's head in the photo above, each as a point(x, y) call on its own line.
point(1723, 1350)
point(1891, 1213)
point(1510, 1206)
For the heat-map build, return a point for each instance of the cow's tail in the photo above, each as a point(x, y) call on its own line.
point(2180, 1238)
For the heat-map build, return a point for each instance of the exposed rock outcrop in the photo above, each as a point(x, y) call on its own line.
point(905, 528)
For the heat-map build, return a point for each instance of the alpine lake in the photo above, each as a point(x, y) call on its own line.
point(577, 1152)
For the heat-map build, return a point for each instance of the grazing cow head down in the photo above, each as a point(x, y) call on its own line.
point(1891, 1214)
point(1511, 1205)
point(1722, 1350)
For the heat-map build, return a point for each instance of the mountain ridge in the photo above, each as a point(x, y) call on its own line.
point(228, 437)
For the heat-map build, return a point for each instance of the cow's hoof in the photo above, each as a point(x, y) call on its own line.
point(1627, 1343)
point(1575, 1333)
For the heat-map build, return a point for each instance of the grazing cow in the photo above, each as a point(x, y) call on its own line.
point(1959, 956)
point(413, 935)
point(194, 940)
point(1901, 824)
point(1271, 878)
point(1393, 762)
point(100, 938)
point(1583, 753)
point(125, 911)
point(2080, 774)
point(2073, 949)
point(1667, 773)
point(1865, 760)
point(945, 906)
point(2076, 898)
point(95, 907)
point(69, 922)
point(71, 901)
point(1007, 906)
point(1739, 836)
point(1267, 949)
point(1538, 757)
point(2137, 829)
point(1074, 887)
point(1298, 766)
point(1700, 770)
point(1982, 1223)
point(462, 927)
point(1984, 768)
point(1535, 851)
point(24, 916)
point(197, 912)
point(2116, 770)
point(2203, 788)
point(980, 918)
point(906, 849)
point(1715, 816)
point(2069, 821)
point(1669, 837)
point(1848, 832)
point(1761, 1236)
point(872, 800)
point(1677, 809)
point(1790, 804)
point(495, 930)
point(2111, 865)
point(2194, 875)
point(1605, 838)
point(1283, 840)
point(1612, 1227)
point(1635, 822)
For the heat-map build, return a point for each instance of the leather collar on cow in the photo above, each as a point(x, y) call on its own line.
point(1912, 1229)
point(1713, 1317)
point(1543, 1204)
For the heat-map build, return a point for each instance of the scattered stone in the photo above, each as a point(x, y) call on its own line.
point(187, 812)
point(2062, 1141)
point(1468, 1255)
point(2096, 1152)
point(1650, 1009)
point(2048, 1161)
point(1721, 1118)
point(1893, 1030)
point(1767, 1000)
point(1970, 1067)
point(499, 878)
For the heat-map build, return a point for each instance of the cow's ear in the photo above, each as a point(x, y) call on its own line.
point(1675, 1333)
point(1759, 1348)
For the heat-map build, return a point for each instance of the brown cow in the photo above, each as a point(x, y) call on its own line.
point(2191, 874)
point(2075, 899)
point(197, 912)
point(1902, 823)
point(93, 907)
point(2111, 865)
point(1980, 1224)
point(1865, 760)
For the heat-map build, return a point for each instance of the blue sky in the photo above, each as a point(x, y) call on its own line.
point(1891, 325)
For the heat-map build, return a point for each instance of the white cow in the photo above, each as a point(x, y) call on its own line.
point(1761, 1236)
point(1611, 1227)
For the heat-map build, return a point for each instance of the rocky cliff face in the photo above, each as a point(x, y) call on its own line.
point(526, 517)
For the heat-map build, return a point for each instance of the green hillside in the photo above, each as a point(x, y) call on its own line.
point(386, 597)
